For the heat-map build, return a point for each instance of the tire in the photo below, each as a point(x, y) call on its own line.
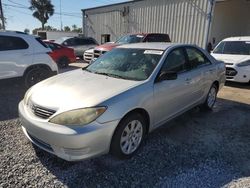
point(63, 62)
point(211, 98)
point(125, 143)
point(35, 75)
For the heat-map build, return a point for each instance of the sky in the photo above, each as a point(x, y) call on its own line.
point(19, 17)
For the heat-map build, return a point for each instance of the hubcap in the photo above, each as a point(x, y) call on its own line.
point(211, 97)
point(35, 77)
point(131, 137)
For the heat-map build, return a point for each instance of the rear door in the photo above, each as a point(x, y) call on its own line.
point(173, 96)
point(202, 73)
point(15, 55)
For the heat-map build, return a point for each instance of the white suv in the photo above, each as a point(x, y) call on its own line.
point(25, 56)
point(235, 53)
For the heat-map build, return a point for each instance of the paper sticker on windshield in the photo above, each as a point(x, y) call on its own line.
point(155, 52)
point(140, 36)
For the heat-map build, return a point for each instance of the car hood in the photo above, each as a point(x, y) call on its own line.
point(107, 47)
point(235, 59)
point(77, 89)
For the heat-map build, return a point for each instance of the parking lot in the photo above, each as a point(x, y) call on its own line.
point(198, 149)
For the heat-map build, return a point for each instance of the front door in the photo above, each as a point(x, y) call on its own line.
point(173, 96)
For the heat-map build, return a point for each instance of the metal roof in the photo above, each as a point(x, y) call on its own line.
point(110, 5)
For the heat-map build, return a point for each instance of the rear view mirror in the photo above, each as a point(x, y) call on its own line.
point(167, 75)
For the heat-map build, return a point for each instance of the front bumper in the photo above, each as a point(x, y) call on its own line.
point(66, 142)
point(238, 74)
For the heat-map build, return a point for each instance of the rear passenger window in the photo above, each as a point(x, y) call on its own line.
point(89, 41)
point(85, 41)
point(12, 43)
point(196, 58)
point(176, 61)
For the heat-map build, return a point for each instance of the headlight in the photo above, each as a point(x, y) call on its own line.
point(78, 117)
point(243, 64)
point(26, 96)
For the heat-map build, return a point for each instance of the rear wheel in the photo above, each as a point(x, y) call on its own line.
point(211, 98)
point(128, 136)
point(35, 75)
point(63, 62)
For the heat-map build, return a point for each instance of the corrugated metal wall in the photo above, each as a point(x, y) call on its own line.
point(184, 20)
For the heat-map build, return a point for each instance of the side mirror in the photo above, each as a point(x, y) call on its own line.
point(167, 75)
point(65, 43)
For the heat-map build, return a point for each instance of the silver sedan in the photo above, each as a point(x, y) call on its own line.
point(113, 103)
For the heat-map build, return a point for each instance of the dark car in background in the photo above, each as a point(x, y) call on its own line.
point(79, 44)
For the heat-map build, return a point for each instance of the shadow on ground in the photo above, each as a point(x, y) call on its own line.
point(238, 85)
point(11, 93)
point(197, 149)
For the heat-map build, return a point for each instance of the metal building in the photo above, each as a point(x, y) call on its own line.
point(188, 21)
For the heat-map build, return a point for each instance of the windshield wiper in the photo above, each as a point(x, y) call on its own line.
point(85, 69)
point(110, 75)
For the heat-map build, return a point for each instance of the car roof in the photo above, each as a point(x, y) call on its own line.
point(15, 33)
point(152, 45)
point(242, 38)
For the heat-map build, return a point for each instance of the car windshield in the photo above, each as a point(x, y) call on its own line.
point(129, 64)
point(233, 47)
point(130, 39)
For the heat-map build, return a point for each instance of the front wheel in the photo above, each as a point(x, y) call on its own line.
point(35, 75)
point(128, 136)
point(211, 98)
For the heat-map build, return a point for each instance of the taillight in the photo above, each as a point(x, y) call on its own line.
point(50, 54)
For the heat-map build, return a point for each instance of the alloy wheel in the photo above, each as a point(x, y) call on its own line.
point(131, 137)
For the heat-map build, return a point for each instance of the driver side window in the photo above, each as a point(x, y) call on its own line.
point(176, 61)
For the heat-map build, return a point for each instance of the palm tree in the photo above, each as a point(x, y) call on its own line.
point(42, 10)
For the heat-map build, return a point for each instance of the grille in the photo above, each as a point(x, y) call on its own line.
point(40, 142)
point(229, 63)
point(41, 111)
point(230, 71)
point(98, 53)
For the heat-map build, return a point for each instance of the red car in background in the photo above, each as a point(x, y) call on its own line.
point(62, 55)
point(131, 38)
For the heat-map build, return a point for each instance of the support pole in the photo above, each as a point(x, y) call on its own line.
point(2, 16)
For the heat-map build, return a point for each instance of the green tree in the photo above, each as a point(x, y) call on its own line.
point(1, 26)
point(26, 31)
point(47, 28)
point(67, 28)
point(42, 10)
point(74, 27)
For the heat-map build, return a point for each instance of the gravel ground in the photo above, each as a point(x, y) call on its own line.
point(198, 149)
